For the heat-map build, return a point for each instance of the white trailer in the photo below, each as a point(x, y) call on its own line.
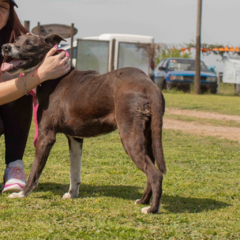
point(231, 71)
point(112, 51)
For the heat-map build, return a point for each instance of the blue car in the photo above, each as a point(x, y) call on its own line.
point(180, 72)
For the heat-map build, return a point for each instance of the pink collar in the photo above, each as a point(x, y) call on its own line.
point(62, 50)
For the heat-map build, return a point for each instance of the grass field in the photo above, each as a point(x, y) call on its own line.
point(201, 191)
point(226, 102)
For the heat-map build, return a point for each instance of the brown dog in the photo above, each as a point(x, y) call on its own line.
point(85, 104)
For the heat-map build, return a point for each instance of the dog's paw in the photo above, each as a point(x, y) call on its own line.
point(145, 210)
point(67, 196)
point(137, 201)
point(17, 195)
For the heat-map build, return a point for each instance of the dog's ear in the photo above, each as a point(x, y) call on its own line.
point(53, 39)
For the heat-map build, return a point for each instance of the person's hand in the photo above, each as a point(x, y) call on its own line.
point(54, 66)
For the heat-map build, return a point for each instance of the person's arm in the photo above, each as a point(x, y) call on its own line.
point(6, 76)
point(51, 68)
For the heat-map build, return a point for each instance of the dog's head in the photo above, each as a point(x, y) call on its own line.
point(27, 52)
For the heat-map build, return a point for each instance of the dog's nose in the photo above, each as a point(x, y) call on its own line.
point(7, 48)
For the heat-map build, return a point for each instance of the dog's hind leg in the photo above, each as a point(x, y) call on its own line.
point(146, 195)
point(148, 190)
point(43, 148)
point(135, 144)
point(75, 148)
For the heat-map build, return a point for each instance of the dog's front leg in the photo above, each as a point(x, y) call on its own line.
point(44, 145)
point(75, 148)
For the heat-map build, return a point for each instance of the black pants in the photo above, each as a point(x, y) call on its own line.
point(17, 117)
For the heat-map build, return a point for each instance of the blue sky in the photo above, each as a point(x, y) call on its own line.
point(168, 21)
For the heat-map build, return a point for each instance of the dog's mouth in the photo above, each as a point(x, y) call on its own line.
point(16, 64)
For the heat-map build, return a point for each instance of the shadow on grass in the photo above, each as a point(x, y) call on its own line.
point(173, 204)
point(177, 204)
point(86, 191)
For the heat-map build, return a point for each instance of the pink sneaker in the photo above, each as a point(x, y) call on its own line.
point(14, 178)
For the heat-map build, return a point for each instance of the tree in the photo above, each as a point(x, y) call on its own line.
point(159, 51)
point(171, 53)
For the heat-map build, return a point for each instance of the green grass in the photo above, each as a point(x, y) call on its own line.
point(224, 102)
point(226, 89)
point(201, 191)
point(201, 197)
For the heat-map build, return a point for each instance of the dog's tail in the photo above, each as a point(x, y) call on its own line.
point(157, 104)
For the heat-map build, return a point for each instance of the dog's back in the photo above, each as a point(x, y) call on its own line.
point(86, 98)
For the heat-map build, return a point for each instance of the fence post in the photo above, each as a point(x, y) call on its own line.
point(197, 79)
point(71, 50)
point(112, 54)
point(27, 25)
point(39, 30)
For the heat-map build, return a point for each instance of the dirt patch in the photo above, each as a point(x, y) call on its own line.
point(232, 133)
point(208, 115)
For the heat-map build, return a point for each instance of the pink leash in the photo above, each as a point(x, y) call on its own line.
point(35, 108)
point(35, 105)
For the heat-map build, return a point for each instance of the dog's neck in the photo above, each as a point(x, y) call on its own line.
point(35, 67)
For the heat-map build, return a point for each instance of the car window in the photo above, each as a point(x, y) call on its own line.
point(184, 65)
point(160, 64)
point(165, 64)
point(203, 67)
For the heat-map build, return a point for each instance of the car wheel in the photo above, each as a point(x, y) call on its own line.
point(185, 88)
point(168, 86)
point(214, 90)
point(164, 85)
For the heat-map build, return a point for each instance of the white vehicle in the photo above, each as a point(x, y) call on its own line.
point(231, 72)
point(111, 51)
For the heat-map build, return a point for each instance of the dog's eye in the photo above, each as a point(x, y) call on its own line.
point(28, 43)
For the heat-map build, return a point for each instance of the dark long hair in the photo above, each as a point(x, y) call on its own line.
point(11, 30)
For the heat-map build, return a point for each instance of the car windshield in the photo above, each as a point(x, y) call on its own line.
point(184, 65)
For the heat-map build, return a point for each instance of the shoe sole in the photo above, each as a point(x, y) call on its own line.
point(13, 188)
